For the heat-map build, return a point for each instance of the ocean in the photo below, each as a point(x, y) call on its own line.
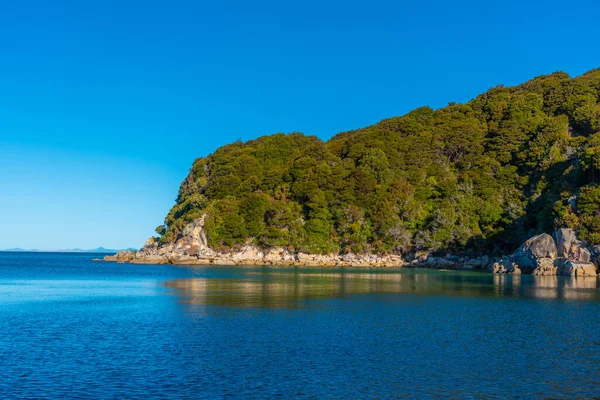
point(73, 328)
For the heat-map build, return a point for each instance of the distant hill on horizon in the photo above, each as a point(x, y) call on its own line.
point(76, 250)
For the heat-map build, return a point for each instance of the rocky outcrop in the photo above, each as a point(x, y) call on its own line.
point(192, 248)
point(546, 267)
point(542, 256)
point(505, 266)
point(570, 247)
point(122, 256)
point(538, 247)
point(577, 268)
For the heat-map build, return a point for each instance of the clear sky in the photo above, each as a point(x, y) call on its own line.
point(105, 104)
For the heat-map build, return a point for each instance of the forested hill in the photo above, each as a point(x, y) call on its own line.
point(475, 177)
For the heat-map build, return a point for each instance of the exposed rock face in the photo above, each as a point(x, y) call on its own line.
point(577, 268)
point(569, 246)
point(546, 267)
point(540, 246)
point(595, 255)
point(192, 248)
point(541, 256)
point(122, 256)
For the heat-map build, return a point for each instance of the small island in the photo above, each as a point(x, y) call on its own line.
point(455, 187)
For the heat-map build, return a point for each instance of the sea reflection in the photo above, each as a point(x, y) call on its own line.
point(548, 287)
point(272, 288)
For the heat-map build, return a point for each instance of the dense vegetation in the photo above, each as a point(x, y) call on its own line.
point(474, 177)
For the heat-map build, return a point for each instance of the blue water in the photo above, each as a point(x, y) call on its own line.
point(71, 328)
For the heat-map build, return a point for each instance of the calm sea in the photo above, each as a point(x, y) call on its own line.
point(71, 328)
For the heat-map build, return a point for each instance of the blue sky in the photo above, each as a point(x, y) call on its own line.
point(105, 104)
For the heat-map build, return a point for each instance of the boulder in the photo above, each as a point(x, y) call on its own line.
point(595, 255)
point(569, 246)
point(279, 254)
point(475, 263)
point(545, 267)
point(246, 254)
point(505, 266)
point(122, 256)
point(152, 242)
point(577, 268)
point(438, 262)
point(540, 246)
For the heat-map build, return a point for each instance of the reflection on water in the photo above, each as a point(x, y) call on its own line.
point(277, 288)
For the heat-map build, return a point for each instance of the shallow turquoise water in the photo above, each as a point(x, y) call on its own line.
point(70, 328)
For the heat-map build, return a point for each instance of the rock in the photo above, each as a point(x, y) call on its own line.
point(151, 242)
point(122, 256)
point(422, 256)
point(545, 267)
point(542, 256)
point(191, 248)
point(569, 246)
point(247, 253)
point(595, 255)
point(193, 240)
point(474, 263)
point(577, 268)
point(438, 262)
point(540, 246)
point(505, 266)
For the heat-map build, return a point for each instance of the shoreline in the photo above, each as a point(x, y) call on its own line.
point(449, 262)
point(192, 248)
point(543, 254)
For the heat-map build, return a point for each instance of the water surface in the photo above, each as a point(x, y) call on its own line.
point(70, 328)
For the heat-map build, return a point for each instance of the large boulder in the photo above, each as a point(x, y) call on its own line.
point(570, 247)
point(540, 246)
point(577, 268)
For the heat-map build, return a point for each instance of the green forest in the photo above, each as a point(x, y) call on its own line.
point(471, 178)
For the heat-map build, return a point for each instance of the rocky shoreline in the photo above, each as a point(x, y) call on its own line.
point(192, 249)
point(559, 254)
point(543, 254)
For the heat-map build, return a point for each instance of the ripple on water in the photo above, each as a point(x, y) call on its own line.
point(73, 329)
